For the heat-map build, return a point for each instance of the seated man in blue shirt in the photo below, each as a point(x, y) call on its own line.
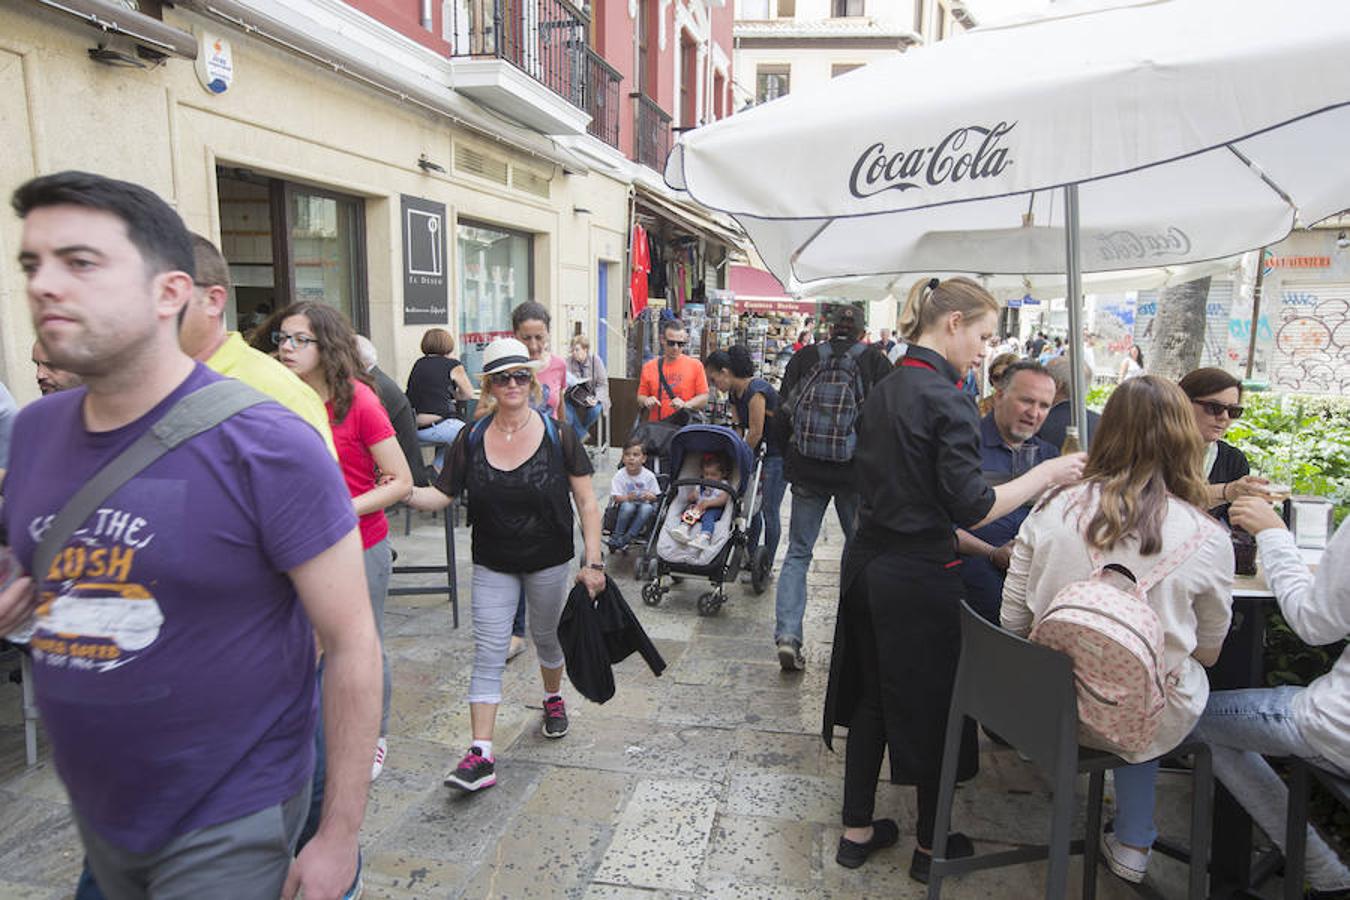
point(1008, 448)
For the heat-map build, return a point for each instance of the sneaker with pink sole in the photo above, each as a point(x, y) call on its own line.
point(474, 772)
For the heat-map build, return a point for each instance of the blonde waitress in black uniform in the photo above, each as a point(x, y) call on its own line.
point(898, 633)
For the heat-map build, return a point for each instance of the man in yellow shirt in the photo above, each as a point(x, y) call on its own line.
point(203, 337)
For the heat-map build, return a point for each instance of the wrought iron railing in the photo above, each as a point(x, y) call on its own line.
point(652, 143)
point(602, 98)
point(546, 39)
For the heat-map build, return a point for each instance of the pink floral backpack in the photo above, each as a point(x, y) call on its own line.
point(1115, 640)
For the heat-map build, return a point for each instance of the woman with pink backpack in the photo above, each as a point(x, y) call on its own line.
point(1126, 558)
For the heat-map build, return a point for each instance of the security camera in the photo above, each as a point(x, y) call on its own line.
point(1342, 241)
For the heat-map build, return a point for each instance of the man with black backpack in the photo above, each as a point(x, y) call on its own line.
point(823, 390)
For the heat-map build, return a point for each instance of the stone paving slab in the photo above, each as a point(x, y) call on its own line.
point(710, 781)
point(662, 836)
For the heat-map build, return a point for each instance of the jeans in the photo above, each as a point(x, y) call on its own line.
point(769, 519)
point(1240, 726)
point(379, 564)
point(633, 517)
point(493, 605)
point(708, 521)
point(1134, 803)
point(443, 434)
point(808, 511)
point(582, 418)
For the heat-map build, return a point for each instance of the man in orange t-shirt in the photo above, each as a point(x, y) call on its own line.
point(683, 374)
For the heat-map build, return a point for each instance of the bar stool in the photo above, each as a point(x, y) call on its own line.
point(1025, 693)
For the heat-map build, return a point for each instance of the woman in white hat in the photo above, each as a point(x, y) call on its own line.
point(520, 468)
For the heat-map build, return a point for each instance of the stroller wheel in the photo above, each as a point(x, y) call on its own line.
point(651, 594)
point(709, 604)
point(759, 571)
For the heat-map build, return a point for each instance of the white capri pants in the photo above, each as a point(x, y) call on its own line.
point(495, 595)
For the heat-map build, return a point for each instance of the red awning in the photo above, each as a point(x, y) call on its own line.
point(747, 281)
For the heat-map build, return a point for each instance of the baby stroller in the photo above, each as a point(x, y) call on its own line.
point(721, 559)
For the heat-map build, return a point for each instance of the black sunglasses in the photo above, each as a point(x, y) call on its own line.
point(677, 343)
point(1234, 411)
point(518, 376)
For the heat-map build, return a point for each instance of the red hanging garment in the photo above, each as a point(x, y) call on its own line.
point(641, 257)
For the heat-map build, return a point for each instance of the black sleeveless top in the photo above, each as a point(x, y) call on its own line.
point(521, 519)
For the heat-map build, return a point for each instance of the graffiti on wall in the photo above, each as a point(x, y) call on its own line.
point(1312, 341)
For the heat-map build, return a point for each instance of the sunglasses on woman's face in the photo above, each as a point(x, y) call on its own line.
point(1216, 409)
point(515, 376)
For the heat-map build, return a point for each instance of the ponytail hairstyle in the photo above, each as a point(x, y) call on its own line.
point(930, 301)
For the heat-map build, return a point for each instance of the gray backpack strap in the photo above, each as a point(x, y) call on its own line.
point(199, 411)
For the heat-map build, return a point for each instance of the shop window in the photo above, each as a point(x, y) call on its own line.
point(496, 272)
point(754, 10)
point(771, 82)
point(688, 80)
point(287, 242)
point(847, 9)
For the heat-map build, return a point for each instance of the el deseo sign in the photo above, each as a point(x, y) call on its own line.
point(966, 153)
point(426, 297)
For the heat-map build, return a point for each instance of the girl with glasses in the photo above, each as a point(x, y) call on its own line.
point(316, 342)
point(1216, 398)
point(523, 473)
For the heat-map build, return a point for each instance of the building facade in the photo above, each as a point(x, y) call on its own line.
point(797, 45)
point(415, 164)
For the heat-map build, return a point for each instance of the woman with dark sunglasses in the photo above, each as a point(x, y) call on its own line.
point(523, 472)
point(1216, 400)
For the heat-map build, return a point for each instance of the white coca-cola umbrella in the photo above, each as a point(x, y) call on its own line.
point(1093, 139)
point(1007, 287)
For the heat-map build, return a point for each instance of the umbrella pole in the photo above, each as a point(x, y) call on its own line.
point(1073, 271)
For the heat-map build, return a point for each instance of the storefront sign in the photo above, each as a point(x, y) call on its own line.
point(215, 63)
point(426, 297)
point(1297, 262)
point(771, 307)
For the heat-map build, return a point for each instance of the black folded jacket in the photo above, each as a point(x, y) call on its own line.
point(595, 635)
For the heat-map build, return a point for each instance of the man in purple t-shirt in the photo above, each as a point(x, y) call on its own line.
point(173, 654)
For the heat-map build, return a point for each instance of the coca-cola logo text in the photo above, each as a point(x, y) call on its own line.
point(966, 153)
point(1124, 245)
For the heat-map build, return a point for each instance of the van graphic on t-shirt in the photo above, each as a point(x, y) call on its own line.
point(125, 614)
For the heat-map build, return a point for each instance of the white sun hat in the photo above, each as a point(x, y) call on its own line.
point(505, 354)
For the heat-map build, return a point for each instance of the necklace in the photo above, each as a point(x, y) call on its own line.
point(509, 432)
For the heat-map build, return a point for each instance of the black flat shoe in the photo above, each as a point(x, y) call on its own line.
point(958, 847)
point(851, 855)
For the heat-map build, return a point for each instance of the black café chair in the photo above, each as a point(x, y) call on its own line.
point(450, 570)
point(1301, 775)
point(1025, 693)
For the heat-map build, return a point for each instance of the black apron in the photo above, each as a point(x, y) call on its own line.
point(911, 588)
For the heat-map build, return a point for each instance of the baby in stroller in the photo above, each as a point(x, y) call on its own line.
point(703, 504)
point(634, 490)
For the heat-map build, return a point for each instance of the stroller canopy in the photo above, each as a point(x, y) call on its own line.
point(713, 439)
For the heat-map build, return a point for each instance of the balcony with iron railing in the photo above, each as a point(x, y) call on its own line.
point(651, 145)
point(529, 59)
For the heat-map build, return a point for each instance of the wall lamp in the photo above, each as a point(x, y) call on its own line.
point(1342, 241)
point(427, 165)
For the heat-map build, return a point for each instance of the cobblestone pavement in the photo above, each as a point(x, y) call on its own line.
point(710, 781)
